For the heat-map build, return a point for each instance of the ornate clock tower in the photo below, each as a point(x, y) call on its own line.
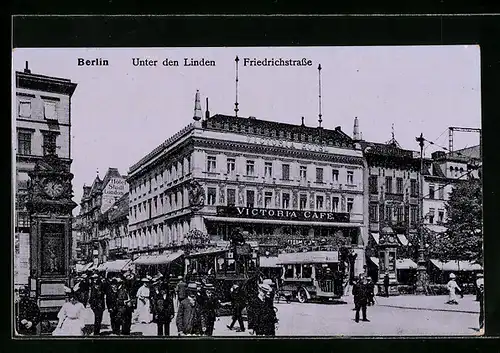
point(50, 206)
point(387, 260)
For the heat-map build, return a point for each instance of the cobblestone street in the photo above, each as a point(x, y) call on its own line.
point(394, 316)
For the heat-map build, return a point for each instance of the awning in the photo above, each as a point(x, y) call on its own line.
point(405, 264)
point(211, 251)
point(115, 266)
point(269, 261)
point(376, 237)
point(402, 239)
point(374, 260)
point(308, 257)
point(83, 268)
point(147, 260)
point(455, 265)
point(278, 221)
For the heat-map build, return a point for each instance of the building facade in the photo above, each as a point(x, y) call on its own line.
point(113, 226)
point(96, 200)
point(42, 111)
point(441, 173)
point(274, 180)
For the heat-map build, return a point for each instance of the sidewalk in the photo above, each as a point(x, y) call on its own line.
point(432, 303)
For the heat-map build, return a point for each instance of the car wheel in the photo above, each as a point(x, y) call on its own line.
point(302, 295)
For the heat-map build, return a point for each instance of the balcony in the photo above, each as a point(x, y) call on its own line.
point(394, 197)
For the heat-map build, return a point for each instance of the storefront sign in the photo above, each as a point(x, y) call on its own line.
point(287, 144)
point(292, 215)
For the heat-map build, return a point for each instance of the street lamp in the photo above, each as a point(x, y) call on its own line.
point(422, 279)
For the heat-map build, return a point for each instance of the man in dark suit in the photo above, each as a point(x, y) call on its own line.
point(265, 316)
point(209, 310)
point(96, 301)
point(125, 307)
point(238, 302)
point(162, 307)
point(112, 304)
point(27, 314)
point(360, 291)
point(189, 313)
point(386, 284)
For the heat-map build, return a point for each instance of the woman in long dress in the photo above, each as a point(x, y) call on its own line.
point(452, 287)
point(143, 314)
point(71, 316)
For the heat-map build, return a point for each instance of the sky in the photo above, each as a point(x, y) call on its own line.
point(121, 112)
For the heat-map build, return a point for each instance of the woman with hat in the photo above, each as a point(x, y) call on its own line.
point(452, 287)
point(143, 313)
point(265, 316)
point(189, 313)
point(71, 316)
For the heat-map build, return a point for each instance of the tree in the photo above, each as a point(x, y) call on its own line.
point(463, 239)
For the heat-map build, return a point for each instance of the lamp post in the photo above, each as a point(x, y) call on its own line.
point(421, 269)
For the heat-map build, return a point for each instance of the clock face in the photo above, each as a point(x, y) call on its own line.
point(53, 189)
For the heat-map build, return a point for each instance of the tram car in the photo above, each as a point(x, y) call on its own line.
point(310, 275)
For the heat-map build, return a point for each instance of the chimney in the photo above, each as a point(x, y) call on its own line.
point(26, 69)
point(356, 136)
point(302, 122)
point(197, 107)
point(207, 112)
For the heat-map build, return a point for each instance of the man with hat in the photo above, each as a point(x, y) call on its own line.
point(162, 306)
point(238, 304)
point(84, 290)
point(209, 309)
point(360, 292)
point(27, 314)
point(452, 287)
point(96, 301)
point(264, 314)
point(480, 297)
point(189, 313)
point(112, 304)
point(181, 290)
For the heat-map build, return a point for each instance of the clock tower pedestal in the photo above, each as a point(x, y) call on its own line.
point(387, 248)
point(50, 205)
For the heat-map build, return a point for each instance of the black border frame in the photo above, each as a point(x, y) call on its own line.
point(317, 30)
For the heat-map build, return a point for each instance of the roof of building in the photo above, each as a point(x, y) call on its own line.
point(96, 185)
point(465, 154)
point(44, 83)
point(111, 173)
point(386, 149)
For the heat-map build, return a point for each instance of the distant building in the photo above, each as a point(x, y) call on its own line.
point(42, 111)
point(441, 173)
point(96, 200)
point(113, 226)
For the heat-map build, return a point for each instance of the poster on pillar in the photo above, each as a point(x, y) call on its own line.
point(53, 262)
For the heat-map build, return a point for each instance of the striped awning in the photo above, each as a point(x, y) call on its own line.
point(403, 239)
point(162, 259)
point(308, 257)
point(376, 237)
point(115, 266)
point(405, 264)
point(455, 265)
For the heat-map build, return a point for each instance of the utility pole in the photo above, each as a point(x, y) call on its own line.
point(422, 278)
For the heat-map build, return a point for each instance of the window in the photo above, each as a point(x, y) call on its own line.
point(250, 167)
point(25, 109)
point(24, 143)
point(400, 213)
point(49, 110)
point(135, 212)
point(211, 164)
point(303, 201)
point(319, 202)
point(49, 143)
point(181, 167)
point(388, 185)
point(440, 216)
point(268, 197)
point(373, 184)
point(303, 172)
point(188, 160)
point(431, 215)
point(373, 213)
point(431, 192)
point(388, 213)
point(285, 200)
point(155, 200)
point(211, 195)
point(441, 192)
point(350, 204)
point(413, 214)
point(231, 197)
point(335, 204)
point(250, 198)
point(150, 184)
point(335, 175)
point(149, 208)
point(285, 168)
point(350, 177)
point(319, 175)
point(231, 165)
point(413, 187)
point(268, 169)
point(175, 200)
point(399, 185)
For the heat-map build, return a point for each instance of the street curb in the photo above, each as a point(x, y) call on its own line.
point(430, 309)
